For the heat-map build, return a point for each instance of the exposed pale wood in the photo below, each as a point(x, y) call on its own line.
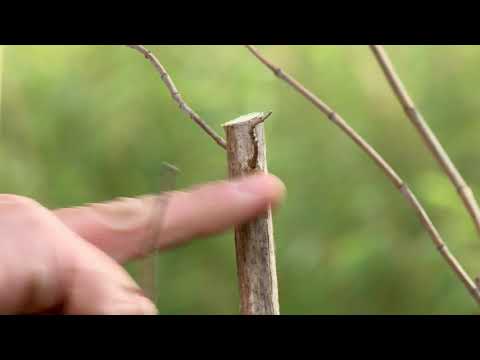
point(255, 249)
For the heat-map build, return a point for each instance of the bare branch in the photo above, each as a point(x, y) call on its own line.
point(254, 243)
point(176, 95)
point(427, 134)
point(384, 166)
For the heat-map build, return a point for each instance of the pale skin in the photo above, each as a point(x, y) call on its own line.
point(68, 261)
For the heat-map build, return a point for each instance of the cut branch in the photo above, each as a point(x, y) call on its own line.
point(427, 134)
point(254, 244)
point(440, 245)
point(176, 94)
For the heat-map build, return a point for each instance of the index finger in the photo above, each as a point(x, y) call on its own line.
point(130, 228)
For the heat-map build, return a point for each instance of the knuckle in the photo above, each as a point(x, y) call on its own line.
point(20, 209)
point(17, 201)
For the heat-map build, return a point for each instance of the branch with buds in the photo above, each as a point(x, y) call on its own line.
point(428, 136)
point(388, 171)
point(176, 94)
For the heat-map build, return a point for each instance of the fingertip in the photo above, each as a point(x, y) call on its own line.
point(265, 187)
point(278, 190)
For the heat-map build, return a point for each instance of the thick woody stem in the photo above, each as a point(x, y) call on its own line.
point(427, 134)
point(254, 244)
point(440, 245)
point(176, 94)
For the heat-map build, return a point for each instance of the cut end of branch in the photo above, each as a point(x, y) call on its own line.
point(259, 116)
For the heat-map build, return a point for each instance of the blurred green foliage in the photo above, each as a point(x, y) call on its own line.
point(89, 123)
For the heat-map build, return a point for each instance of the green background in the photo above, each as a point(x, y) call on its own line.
point(89, 123)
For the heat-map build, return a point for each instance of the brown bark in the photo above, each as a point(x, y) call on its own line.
point(255, 249)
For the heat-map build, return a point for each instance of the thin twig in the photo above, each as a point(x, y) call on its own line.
point(149, 264)
point(176, 95)
point(384, 166)
point(427, 134)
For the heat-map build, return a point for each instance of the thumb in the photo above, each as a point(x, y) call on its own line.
point(45, 268)
point(99, 286)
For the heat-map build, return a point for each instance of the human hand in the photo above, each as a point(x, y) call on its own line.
point(67, 261)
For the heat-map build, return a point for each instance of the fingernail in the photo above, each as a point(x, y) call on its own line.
point(133, 306)
point(146, 307)
point(264, 186)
